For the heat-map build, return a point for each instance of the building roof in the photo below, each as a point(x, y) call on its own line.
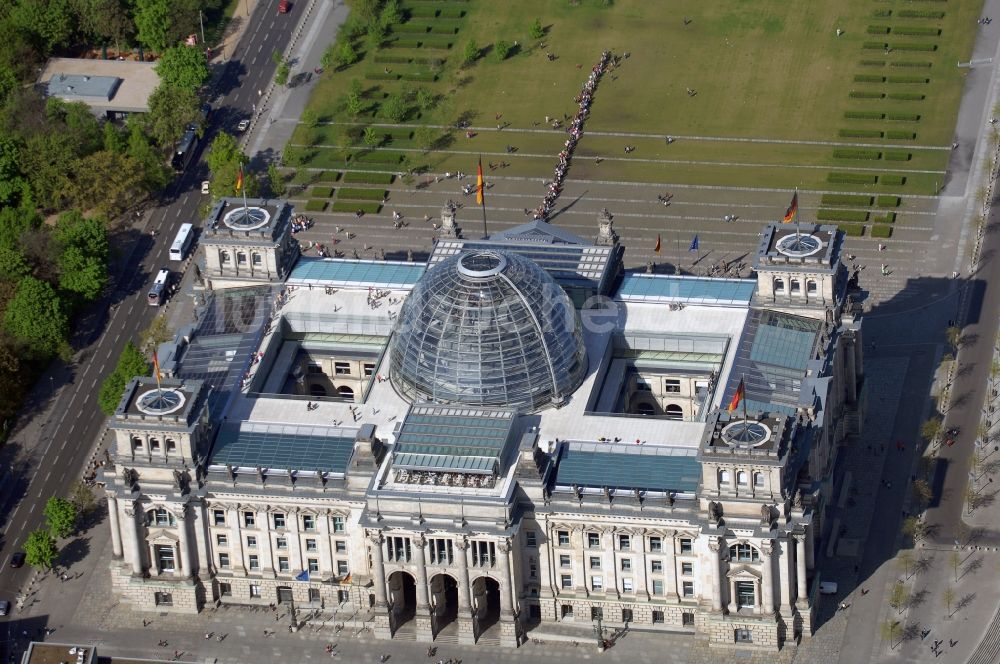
point(59, 653)
point(278, 446)
point(615, 466)
point(637, 287)
point(254, 221)
point(342, 272)
point(104, 85)
point(439, 438)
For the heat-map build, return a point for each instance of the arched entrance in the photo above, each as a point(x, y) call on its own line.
point(402, 593)
point(486, 606)
point(444, 605)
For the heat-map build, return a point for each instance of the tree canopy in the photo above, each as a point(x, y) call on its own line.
point(35, 316)
point(131, 363)
point(182, 67)
point(61, 516)
point(40, 549)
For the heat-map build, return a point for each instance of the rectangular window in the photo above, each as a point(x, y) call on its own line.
point(563, 537)
point(251, 541)
point(688, 589)
point(311, 545)
point(279, 520)
point(530, 539)
point(248, 519)
point(627, 586)
point(171, 445)
point(597, 583)
point(226, 590)
point(253, 562)
point(283, 564)
point(596, 613)
point(626, 615)
point(687, 619)
point(314, 368)
point(593, 541)
point(163, 599)
point(281, 543)
point(566, 581)
point(745, 596)
point(672, 385)
point(657, 617)
point(255, 590)
point(685, 545)
point(399, 549)
point(442, 551)
point(313, 564)
point(624, 542)
point(314, 595)
point(655, 544)
point(340, 546)
point(595, 562)
point(743, 635)
point(165, 558)
point(224, 560)
point(687, 569)
point(532, 570)
point(657, 587)
point(338, 524)
point(483, 554)
point(154, 445)
point(308, 522)
point(626, 564)
point(369, 369)
point(218, 517)
point(221, 540)
point(342, 368)
point(342, 568)
point(758, 479)
point(564, 560)
point(656, 566)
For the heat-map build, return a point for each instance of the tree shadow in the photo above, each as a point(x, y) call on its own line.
point(918, 598)
point(910, 632)
point(75, 551)
point(965, 601)
point(972, 566)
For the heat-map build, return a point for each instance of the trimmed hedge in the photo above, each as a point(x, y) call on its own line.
point(321, 192)
point(887, 218)
point(856, 200)
point(878, 29)
point(851, 153)
point(912, 63)
point(906, 96)
point(896, 155)
point(355, 194)
point(841, 215)
point(907, 46)
point(894, 180)
point(423, 76)
point(416, 11)
point(858, 94)
point(851, 178)
point(859, 133)
point(863, 115)
point(411, 28)
point(315, 206)
point(874, 46)
point(873, 63)
point(452, 12)
point(887, 201)
point(381, 76)
point(854, 230)
point(919, 13)
point(391, 59)
point(354, 206)
point(406, 42)
point(881, 231)
point(366, 177)
point(381, 157)
point(908, 79)
point(916, 31)
point(868, 78)
point(903, 117)
point(901, 135)
point(882, 13)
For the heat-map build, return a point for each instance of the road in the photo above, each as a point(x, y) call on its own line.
point(50, 449)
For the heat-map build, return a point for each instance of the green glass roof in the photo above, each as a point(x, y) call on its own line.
point(283, 446)
point(345, 272)
point(628, 467)
point(638, 287)
point(452, 438)
point(783, 340)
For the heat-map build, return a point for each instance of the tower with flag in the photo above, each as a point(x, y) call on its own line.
point(480, 194)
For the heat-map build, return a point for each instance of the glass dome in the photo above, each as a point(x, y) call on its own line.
point(488, 328)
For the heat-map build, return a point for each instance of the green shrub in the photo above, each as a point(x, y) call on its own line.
point(881, 231)
point(877, 29)
point(355, 194)
point(433, 61)
point(916, 31)
point(851, 178)
point(366, 177)
point(874, 46)
point(854, 200)
point(406, 42)
point(905, 46)
point(434, 42)
point(863, 115)
point(893, 180)
point(851, 153)
point(908, 79)
point(923, 64)
point(858, 94)
point(841, 215)
point(354, 206)
point(868, 78)
point(854, 230)
point(315, 206)
point(906, 96)
point(919, 13)
point(900, 135)
point(859, 133)
point(872, 63)
point(896, 155)
point(903, 117)
point(882, 13)
point(887, 201)
point(321, 192)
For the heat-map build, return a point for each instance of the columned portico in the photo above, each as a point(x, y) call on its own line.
point(466, 631)
point(802, 592)
point(114, 522)
point(381, 608)
point(138, 540)
point(184, 569)
point(423, 615)
point(508, 620)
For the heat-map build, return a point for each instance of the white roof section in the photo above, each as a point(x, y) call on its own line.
point(131, 95)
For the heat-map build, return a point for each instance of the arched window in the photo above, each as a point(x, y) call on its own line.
point(795, 287)
point(741, 477)
point(644, 409)
point(811, 286)
point(224, 257)
point(160, 517)
point(724, 477)
point(779, 286)
point(758, 479)
point(674, 412)
point(743, 553)
point(345, 392)
point(317, 390)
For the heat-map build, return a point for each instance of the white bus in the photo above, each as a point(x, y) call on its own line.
point(178, 250)
point(158, 291)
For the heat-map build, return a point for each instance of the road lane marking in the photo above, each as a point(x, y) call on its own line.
point(48, 475)
point(72, 427)
point(63, 446)
point(31, 509)
point(93, 384)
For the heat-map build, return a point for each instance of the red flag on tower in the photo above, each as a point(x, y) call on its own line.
point(793, 209)
point(480, 200)
point(657, 247)
point(734, 403)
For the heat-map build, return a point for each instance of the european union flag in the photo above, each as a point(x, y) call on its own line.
point(694, 244)
point(303, 576)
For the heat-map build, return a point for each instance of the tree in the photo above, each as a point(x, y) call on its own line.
point(61, 516)
point(394, 108)
point(171, 110)
point(371, 137)
point(931, 429)
point(82, 275)
point(426, 100)
point(955, 560)
point(49, 21)
point(157, 333)
point(912, 527)
point(104, 20)
point(40, 549)
point(390, 13)
point(501, 50)
point(282, 72)
point(536, 30)
point(11, 178)
point(83, 498)
point(899, 597)
point(13, 265)
point(310, 118)
point(471, 52)
point(148, 161)
point(103, 181)
point(346, 54)
point(275, 182)
point(905, 560)
point(35, 317)
point(182, 67)
point(888, 631)
point(153, 22)
point(922, 492)
point(131, 363)
point(353, 103)
point(948, 599)
point(954, 336)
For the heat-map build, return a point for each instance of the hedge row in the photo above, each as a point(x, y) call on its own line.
point(912, 63)
point(916, 31)
point(856, 230)
point(381, 76)
point(435, 12)
point(919, 13)
point(896, 155)
point(881, 231)
point(851, 178)
point(882, 13)
point(901, 135)
point(354, 206)
point(856, 200)
point(428, 41)
point(903, 117)
point(868, 78)
point(380, 157)
point(894, 180)
point(315, 206)
point(887, 218)
point(850, 153)
point(321, 192)
point(908, 79)
point(407, 60)
point(887, 201)
point(907, 46)
point(878, 29)
point(841, 215)
point(859, 94)
point(873, 63)
point(422, 76)
point(906, 96)
point(863, 115)
point(859, 133)
point(874, 45)
point(361, 194)
point(366, 177)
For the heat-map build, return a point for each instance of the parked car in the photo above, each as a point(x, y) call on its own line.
point(205, 184)
point(827, 587)
point(17, 560)
point(243, 125)
point(4, 607)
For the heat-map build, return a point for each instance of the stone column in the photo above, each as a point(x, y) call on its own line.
point(184, 569)
point(116, 533)
point(640, 566)
point(295, 562)
point(715, 565)
point(508, 621)
point(382, 628)
point(236, 541)
point(423, 613)
point(138, 541)
point(609, 567)
point(578, 541)
point(466, 630)
point(767, 577)
point(802, 592)
point(785, 576)
point(154, 562)
point(325, 553)
point(264, 542)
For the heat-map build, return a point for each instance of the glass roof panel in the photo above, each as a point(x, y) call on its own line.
point(284, 447)
point(649, 468)
point(637, 287)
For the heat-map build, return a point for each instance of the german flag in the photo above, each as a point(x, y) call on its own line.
point(239, 180)
point(793, 209)
point(480, 200)
point(657, 247)
point(156, 367)
point(734, 403)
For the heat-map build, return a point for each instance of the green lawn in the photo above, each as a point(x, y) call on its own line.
point(763, 69)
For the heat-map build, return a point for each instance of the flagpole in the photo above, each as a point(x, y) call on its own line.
point(481, 194)
point(796, 215)
point(243, 189)
point(743, 381)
